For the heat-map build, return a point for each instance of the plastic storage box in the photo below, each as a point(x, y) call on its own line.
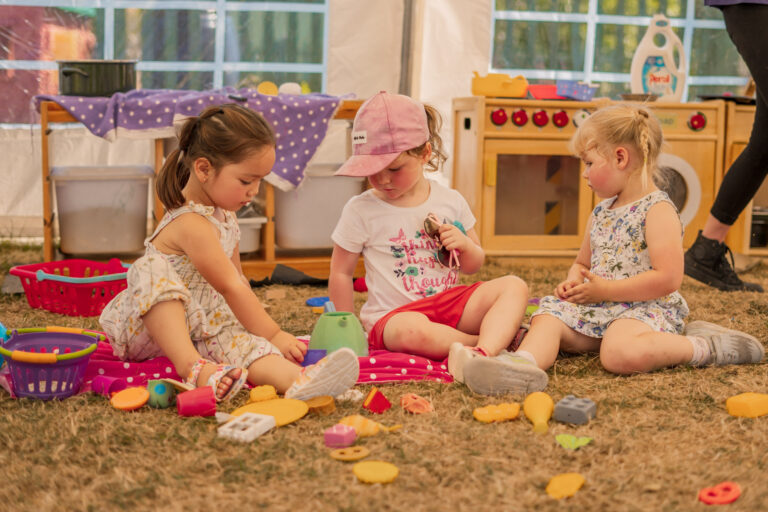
point(305, 217)
point(102, 209)
point(250, 233)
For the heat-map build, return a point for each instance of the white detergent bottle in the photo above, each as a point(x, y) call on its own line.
point(654, 70)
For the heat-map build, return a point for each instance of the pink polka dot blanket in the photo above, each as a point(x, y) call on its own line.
point(379, 366)
point(300, 121)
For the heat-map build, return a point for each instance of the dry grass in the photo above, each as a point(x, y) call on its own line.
point(658, 438)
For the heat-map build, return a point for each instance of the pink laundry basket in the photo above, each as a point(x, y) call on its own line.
point(72, 287)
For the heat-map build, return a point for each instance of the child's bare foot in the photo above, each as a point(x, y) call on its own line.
point(226, 380)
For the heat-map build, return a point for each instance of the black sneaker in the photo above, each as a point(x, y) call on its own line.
point(706, 261)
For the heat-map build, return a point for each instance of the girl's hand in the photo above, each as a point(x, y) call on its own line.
point(292, 349)
point(562, 289)
point(592, 291)
point(453, 239)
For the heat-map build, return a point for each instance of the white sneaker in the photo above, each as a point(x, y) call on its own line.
point(458, 355)
point(332, 375)
point(505, 373)
point(727, 346)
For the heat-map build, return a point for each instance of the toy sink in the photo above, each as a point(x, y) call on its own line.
point(338, 329)
point(499, 85)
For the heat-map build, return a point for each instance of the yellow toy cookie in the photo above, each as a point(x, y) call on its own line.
point(564, 485)
point(321, 405)
point(493, 413)
point(351, 453)
point(285, 410)
point(375, 472)
point(262, 393)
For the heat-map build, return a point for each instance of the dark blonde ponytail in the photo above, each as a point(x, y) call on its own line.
point(434, 123)
point(223, 135)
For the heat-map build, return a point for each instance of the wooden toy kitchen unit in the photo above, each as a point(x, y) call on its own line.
point(512, 164)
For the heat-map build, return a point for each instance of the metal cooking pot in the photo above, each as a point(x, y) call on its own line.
point(96, 77)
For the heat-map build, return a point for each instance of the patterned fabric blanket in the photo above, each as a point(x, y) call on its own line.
point(300, 121)
point(380, 366)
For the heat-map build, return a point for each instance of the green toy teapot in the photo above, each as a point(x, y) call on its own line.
point(337, 329)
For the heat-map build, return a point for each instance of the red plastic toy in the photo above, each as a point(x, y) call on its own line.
point(376, 402)
point(721, 494)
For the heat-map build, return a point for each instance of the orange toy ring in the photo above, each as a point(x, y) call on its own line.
point(721, 494)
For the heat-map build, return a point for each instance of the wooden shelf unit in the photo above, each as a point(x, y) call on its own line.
point(257, 267)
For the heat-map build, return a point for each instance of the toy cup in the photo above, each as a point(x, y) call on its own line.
point(312, 356)
point(107, 385)
point(197, 402)
point(339, 329)
point(160, 394)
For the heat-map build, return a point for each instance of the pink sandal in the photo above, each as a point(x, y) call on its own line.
point(221, 371)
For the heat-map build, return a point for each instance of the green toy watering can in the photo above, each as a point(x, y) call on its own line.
point(338, 329)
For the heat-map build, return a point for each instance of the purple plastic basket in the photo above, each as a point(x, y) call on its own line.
point(61, 378)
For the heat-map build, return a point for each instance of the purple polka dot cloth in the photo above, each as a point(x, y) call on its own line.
point(300, 121)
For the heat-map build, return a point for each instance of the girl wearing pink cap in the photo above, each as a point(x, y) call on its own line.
point(415, 303)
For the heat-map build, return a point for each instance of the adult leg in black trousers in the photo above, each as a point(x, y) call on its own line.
point(706, 260)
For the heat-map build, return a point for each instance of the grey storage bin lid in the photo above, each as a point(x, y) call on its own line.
point(101, 172)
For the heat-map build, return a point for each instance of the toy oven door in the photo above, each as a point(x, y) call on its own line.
point(534, 198)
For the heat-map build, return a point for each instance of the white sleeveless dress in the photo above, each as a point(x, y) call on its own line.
point(157, 277)
point(619, 251)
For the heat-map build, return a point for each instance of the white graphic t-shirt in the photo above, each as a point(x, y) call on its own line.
point(400, 262)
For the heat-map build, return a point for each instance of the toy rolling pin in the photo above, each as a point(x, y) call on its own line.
point(538, 409)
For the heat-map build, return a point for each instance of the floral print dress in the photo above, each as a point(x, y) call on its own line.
point(619, 251)
point(158, 277)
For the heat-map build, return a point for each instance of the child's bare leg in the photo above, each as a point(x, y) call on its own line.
point(547, 334)
point(413, 333)
point(274, 370)
point(630, 346)
point(495, 311)
point(166, 323)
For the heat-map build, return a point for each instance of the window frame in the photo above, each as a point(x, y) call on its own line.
point(218, 66)
point(592, 19)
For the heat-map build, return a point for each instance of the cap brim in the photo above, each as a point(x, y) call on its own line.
point(366, 165)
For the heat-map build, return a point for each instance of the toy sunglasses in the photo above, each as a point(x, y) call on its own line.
point(445, 257)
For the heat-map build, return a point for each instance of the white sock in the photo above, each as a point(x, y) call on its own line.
point(527, 356)
point(701, 352)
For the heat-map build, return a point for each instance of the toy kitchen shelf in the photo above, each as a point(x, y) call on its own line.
point(513, 165)
point(257, 267)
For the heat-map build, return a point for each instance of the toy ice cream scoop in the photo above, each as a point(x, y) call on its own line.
point(538, 407)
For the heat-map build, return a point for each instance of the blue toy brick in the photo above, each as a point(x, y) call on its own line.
point(574, 410)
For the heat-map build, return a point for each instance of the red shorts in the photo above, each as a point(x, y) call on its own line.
point(442, 308)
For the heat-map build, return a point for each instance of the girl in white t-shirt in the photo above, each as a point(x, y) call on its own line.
point(415, 303)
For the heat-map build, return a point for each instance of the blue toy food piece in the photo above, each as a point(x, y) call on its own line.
point(317, 301)
point(329, 307)
point(574, 410)
point(161, 394)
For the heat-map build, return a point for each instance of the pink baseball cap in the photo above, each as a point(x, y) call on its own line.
point(385, 126)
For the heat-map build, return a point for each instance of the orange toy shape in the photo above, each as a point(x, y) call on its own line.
point(538, 409)
point(495, 413)
point(721, 494)
point(415, 404)
point(748, 405)
point(130, 399)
